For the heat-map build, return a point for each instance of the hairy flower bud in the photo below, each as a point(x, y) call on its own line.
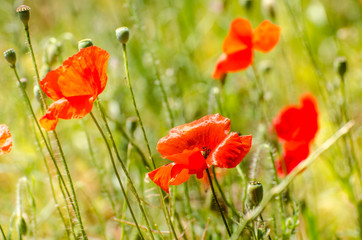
point(85, 43)
point(340, 65)
point(10, 56)
point(255, 193)
point(122, 34)
point(24, 14)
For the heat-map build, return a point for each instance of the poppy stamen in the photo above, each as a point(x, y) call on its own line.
point(205, 152)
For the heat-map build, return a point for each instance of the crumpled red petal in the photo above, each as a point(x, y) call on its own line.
point(233, 62)
point(76, 107)
point(6, 141)
point(208, 131)
point(266, 36)
point(294, 153)
point(231, 151)
point(168, 175)
point(239, 37)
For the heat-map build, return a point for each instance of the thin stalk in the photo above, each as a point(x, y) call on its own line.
point(44, 106)
point(124, 168)
point(28, 39)
point(50, 181)
point(77, 212)
point(68, 210)
point(223, 195)
point(251, 215)
point(261, 94)
point(128, 154)
point(50, 151)
point(2, 232)
point(189, 209)
point(116, 172)
point(164, 207)
point(243, 178)
point(100, 170)
point(217, 202)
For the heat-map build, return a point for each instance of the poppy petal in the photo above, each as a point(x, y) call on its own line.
point(71, 108)
point(208, 132)
point(166, 175)
point(233, 62)
point(6, 141)
point(266, 36)
point(231, 151)
point(239, 37)
point(84, 73)
point(294, 153)
point(50, 84)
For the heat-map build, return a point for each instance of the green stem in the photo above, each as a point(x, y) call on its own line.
point(77, 212)
point(223, 195)
point(189, 209)
point(251, 215)
point(164, 207)
point(68, 210)
point(43, 103)
point(116, 172)
point(261, 94)
point(2, 232)
point(124, 168)
point(50, 151)
point(217, 202)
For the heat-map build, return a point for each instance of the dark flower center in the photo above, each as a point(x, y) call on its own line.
point(205, 152)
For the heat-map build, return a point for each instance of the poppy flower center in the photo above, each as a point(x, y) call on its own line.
point(205, 152)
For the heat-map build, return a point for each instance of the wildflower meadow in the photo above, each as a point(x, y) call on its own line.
point(186, 119)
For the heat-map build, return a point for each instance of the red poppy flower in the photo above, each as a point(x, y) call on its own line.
point(196, 146)
point(296, 127)
point(239, 44)
point(6, 141)
point(74, 86)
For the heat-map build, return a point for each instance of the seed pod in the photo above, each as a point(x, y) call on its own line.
point(85, 43)
point(10, 56)
point(122, 34)
point(340, 65)
point(24, 14)
point(255, 193)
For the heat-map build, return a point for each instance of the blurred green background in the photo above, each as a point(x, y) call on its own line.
point(185, 39)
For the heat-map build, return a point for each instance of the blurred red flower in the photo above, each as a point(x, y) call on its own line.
point(239, 44)
point(6, 141)
point(196, 146)
point(296, 127)
point(74, 86)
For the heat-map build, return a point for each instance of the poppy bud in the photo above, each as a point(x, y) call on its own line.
point(24, 14)
point(268, 7)
point(131, 124)
point(10, 56)
point(21, 224)
point(340, 65)
point(255, 193)
point(248, 4)
point(37, 93)
point(122, 34)
point(24, 82)
point(85, 43)
point(51, 51)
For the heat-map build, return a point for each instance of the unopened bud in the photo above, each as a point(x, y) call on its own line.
point(122, 34)
point(37, 93)
point(24, 14)
point(340, 65)
point(248, 4)
point(255, 193)
point(51, 51)
point(85, 43)
point(22, 226)
point(268, 7)
point(10, 56)
point(131, 124)
point(24, 82)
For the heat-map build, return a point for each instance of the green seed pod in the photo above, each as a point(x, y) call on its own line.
point(24, 14)
point(340, 65)
point(24, 82)
point(255, 193)
point(122, 34)
point(10, 56)
point(85, 43)
point(21, 224)
point(37, 93)
point(131, 124)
